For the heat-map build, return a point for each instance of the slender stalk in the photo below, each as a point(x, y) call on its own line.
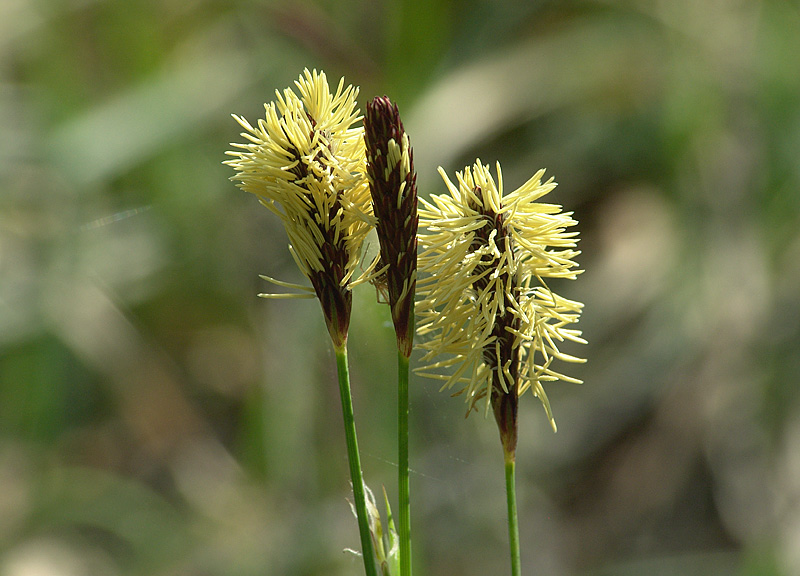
point(513, 527)
point(354, 459)
point(402, 457)
point(393, 186)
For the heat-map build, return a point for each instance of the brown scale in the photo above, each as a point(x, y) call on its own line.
point(336, 299)
point(504, 402)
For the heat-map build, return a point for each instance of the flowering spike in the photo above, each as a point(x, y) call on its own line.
point(484, 303)
point(393, 184)
point(306, 163)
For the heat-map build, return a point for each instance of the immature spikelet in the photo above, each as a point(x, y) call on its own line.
point(305, 162)
point(393, 184)
point(491, 324)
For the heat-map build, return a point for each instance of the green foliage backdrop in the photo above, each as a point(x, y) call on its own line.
point(156, 418)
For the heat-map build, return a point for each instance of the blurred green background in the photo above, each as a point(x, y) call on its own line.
point(156, 418)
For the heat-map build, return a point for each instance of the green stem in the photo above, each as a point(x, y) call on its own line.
point(354, 460)
point(513, 527)
point(402, 457)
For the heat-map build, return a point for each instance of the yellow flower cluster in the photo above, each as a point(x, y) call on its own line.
point(484, 302)
point(306, 162)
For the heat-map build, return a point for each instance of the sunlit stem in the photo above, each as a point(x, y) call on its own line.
point(402, 457)
point(356, 476)
point(513, 527)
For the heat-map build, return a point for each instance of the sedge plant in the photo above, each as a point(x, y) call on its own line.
point(393, 185)
point(305, 162)
point(492, 324)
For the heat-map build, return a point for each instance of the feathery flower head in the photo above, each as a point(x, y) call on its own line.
point(393, 184)
point(305, 162)
point(484, 303)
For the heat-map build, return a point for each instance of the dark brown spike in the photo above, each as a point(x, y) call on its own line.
point(504, 400)
point(394, 198)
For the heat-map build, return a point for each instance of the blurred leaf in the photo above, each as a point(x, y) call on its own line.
point(143, 529)
point(418, 34)
point(44, 391)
